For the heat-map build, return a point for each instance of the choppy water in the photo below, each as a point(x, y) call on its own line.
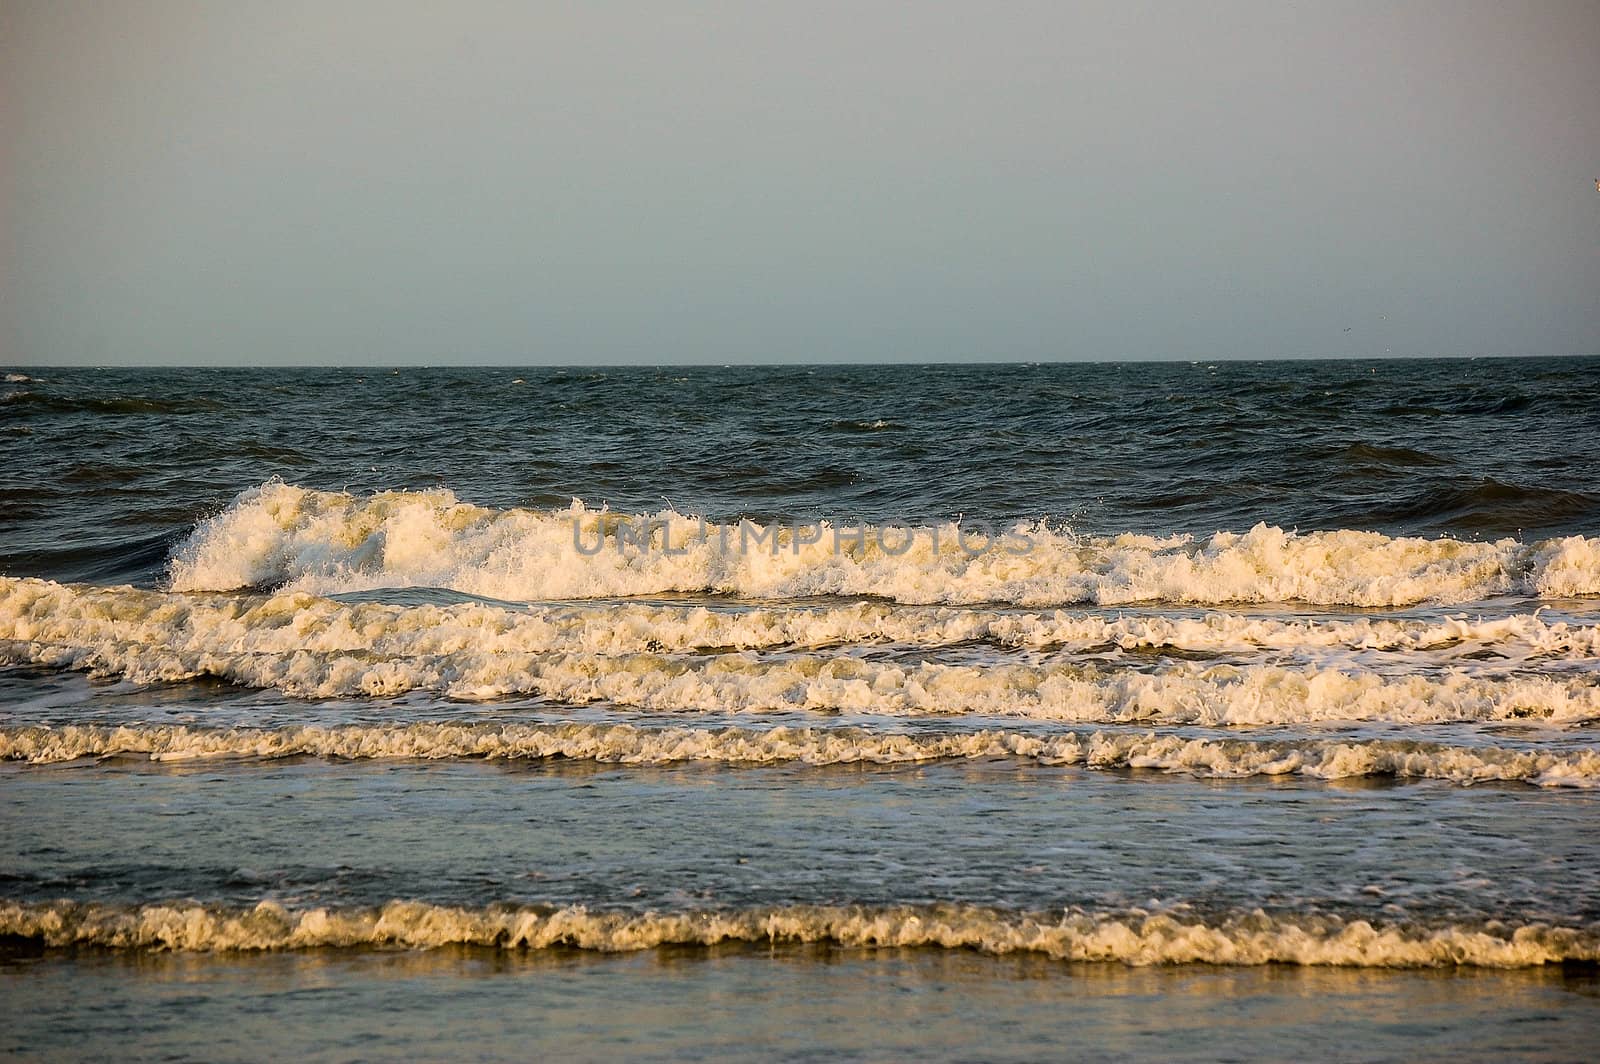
point(915, 696)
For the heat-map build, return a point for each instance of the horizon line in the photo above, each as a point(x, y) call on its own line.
point(830, 364)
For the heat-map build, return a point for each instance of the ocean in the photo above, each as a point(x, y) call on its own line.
point(1140, 711)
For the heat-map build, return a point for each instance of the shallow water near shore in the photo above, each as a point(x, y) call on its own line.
point(784, 1003)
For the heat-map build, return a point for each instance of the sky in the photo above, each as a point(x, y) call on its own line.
point(288, 182)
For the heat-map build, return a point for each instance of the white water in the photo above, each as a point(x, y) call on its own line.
point(46, 612)
point(280, 535)
point(629, 744)
point(1253, 938)
point(1186, 693)
point(315, 648)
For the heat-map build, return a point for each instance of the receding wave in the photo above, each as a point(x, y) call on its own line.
point(629, 744)
point(1131, 938)
point(282, 536)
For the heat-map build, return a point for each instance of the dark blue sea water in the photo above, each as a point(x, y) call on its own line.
point(108, 468)
point(1135, 710)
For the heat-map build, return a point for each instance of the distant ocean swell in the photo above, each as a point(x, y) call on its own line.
point(633, 745)
point(282, 536)
point(1131, 938)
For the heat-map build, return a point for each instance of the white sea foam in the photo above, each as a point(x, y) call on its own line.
point(46, 612)
point(280, 535)
point(629, 744)
point(1132, 938)
point(148, 638)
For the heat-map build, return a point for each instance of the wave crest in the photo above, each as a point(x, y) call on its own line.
point(309, 648)
point(283, 536)
point(1134, 938)
point(629, 744)
point(43, 611)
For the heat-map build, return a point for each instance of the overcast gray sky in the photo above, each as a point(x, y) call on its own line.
point(400, 182)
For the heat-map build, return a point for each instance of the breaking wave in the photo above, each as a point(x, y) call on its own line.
point(1082, 693)
point(1132, 938)
point(282, 536)
point(46, 612)
point(629, 744)
point(317, 649)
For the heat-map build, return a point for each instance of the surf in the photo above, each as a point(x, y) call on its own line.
point(286, 537)
point(629, 744)
point(1135, 938)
